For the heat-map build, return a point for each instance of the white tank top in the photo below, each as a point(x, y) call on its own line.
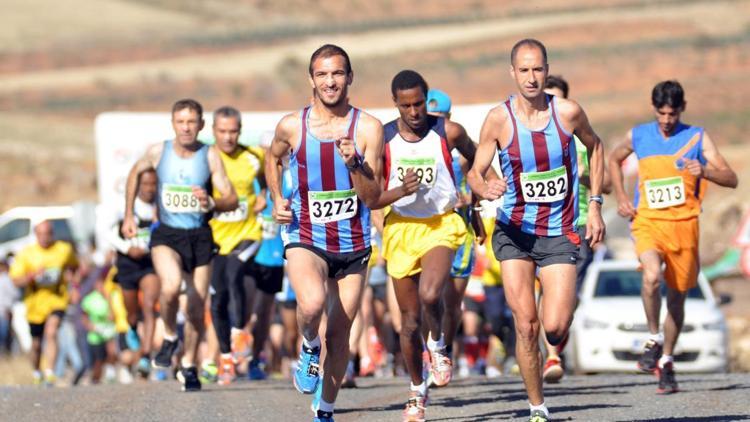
point(431, 161)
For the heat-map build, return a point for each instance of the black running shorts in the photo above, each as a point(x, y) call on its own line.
point(267, 279)
point(509, 242)
point(130, 271)
point(339, 264)
point(195, 246)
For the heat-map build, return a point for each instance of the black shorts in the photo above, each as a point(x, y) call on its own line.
point(471, 305)
point(340, 264)
point(131, 271)
point(509, 242)
point(98, 351)
point(122, 342)
point(195, 246)
point(37, 330)
point(267, 279)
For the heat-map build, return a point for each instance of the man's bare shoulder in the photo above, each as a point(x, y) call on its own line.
point(369, 121)
point(290, 122)
point(498, 115)
point(154, 152)
point(568, 109)
point(369, 126)
point(454, 130)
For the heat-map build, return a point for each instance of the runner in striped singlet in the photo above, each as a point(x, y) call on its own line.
point(334, 154)
point(536, 225)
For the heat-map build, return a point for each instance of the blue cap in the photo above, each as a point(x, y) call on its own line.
point(438, 101)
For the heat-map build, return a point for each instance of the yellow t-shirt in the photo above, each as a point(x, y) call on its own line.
point(231, 228)
point(47, 293)
point(116, 301)
point(492, 276)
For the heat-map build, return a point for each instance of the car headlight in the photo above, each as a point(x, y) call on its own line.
point(715, 326)
point(590, 323)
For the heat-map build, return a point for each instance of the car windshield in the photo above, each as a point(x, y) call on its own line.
point(62, 230)
point(618, 283)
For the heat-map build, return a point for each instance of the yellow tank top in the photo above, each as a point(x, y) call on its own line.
point(231, 228)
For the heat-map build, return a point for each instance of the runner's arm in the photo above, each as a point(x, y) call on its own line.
point(281, 145)
point(149, 161)
point(595, 228)
point(616, 158)
point(364, 177)
point(489, 140)
point(717, 170)
point(220, 182)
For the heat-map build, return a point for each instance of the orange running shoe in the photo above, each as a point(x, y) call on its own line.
point(226, 371)
point(553, 370)
point(415, 408)
point(241, 345)
point(442, 367)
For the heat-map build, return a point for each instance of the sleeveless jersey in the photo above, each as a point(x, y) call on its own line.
point(271, 252)
point(541, 171)
point(666, 190)
point(232, 227)
point(431, 161)
point(462, 187)
point(178, 207)
point(326, 212)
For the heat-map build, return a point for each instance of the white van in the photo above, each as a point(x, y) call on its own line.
point(17, 226)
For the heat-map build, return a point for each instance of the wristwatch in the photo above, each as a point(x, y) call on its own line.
point(356, 163)
point(597, 198)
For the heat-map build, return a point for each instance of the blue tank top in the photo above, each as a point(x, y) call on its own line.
point(462, 187)
point(178, 207)
point(271, 252)
point(326, 212)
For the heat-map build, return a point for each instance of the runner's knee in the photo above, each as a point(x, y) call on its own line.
point(429, 293)
point(528, 329)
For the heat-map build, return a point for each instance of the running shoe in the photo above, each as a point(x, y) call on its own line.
point(163, 358)
point(650, 358)
point(538, 416)
point(241, 345)
point(160, 374)
point(553, 370)
point(209, 373)
point(144, 366)
point(322, 416)
point(442, 367)
point(132, 340)
point(256, 371)
point(667, 381)
point(415, 408)
point(307, 375)
point(226, 373)
point(188, 377)
point(349, 381)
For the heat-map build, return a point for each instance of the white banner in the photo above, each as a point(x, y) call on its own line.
point(123, 137)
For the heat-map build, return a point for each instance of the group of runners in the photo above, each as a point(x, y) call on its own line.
point(334, 181)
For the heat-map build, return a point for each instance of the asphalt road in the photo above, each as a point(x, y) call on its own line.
point(715, 397)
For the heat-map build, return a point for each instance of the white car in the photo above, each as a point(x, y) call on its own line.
point(17, 226)
point(609, 328)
